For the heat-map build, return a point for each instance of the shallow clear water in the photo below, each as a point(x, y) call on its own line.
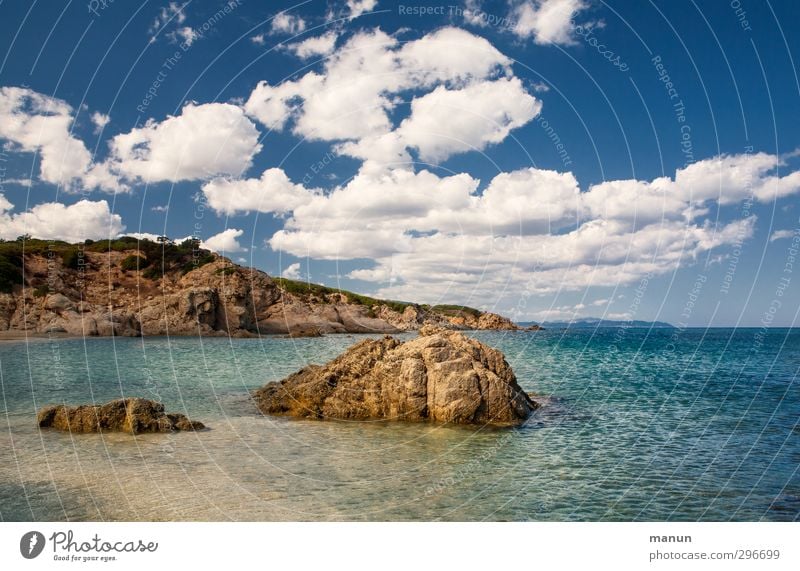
point(636, 425)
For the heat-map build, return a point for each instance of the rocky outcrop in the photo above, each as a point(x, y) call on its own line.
point(107, 296)
point(132, 415)
point(414, 317)
point(291, 314)
point(441, 376)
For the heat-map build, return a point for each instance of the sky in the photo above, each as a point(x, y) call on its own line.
point(544, 159)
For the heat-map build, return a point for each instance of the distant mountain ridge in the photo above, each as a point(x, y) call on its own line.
point(597, 322)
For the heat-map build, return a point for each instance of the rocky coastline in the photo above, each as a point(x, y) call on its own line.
point(129, 287)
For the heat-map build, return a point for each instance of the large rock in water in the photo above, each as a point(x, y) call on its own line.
point(133, 415)
point(441, 376)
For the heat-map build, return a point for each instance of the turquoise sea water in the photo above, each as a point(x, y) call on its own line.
point(636, 425)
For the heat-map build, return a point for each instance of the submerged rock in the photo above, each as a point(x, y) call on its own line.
point(304, 332)
point(441, 376)
point(133, 415)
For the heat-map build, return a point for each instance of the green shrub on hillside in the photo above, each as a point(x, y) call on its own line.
point(134, 262)
point(10, 275)
point(195, 263)
point(41, 291)
point(72, 258)
point(304, 289)
point(455, 310)
point(152, 273)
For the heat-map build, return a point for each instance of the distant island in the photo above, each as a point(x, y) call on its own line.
point(131, 287)
point(597, 322)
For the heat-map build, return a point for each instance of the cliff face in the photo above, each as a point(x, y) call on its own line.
point(108, 294)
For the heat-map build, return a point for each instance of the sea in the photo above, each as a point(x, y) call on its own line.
point(636, 424)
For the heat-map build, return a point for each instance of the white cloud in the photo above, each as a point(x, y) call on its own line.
point(143, 236)
point(226, 242)
point(474, 15)
point(26, 182)
point(289, 24)
point(83, 220)
point(635, 200)
point(530, 231)
point(292, 271)
point(258, 39)
point(375, 213)
point(450, 55)
point(477, 115)
point(494, 269)
point(203, 141)
point(273, 192)
point(36, 123)
point(351, 100)
point(172, 13)
point(546, 21)
point(781, 235)
point(358, 7)
point(183, 35)
point(313, 47)
point(728, 179)
point(99, 120)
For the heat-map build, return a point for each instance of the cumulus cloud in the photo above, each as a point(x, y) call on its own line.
point(530, 231)
point(314, 47)
point(203, 141)
point(289, 24)
point(226, 242)
point(635, 200)
point(292, 271)
point(378, 214)
point(477, 115)
point(99, 120)
point(350, 101)
point(781, 235)
point(144, 236)
point(473, 13)
point(728, 179)
point(546, 21)
point(183, 35)
point(272, 192)
point(36, 123)
point(26, 182)
point(172, 13)
point(83, 220)
point(358, 7)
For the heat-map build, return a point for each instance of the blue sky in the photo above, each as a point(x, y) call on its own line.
point(517, 156)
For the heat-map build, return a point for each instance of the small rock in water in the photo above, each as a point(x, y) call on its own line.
point(132, 415)
point(304, 332)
